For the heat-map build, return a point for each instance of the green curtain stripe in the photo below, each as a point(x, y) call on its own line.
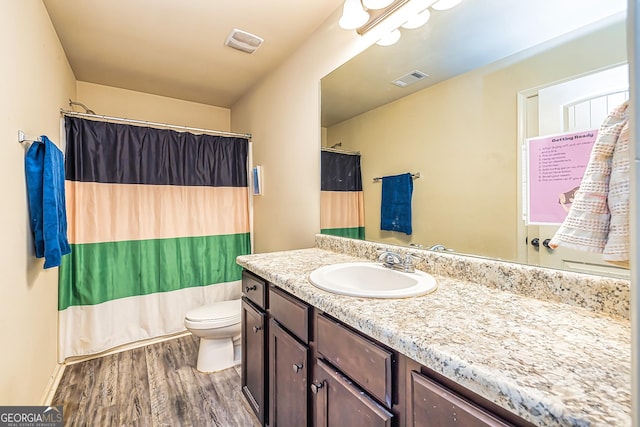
point(98, 272)
point(350, 232)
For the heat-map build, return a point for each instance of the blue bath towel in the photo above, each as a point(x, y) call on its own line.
point(44, 167)
point(395, 210)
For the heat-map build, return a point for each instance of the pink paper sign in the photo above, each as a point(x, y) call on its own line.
point(556, 166)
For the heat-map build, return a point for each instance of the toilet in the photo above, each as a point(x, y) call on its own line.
point(218, 326)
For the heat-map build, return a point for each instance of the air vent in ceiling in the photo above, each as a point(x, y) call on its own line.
point(243, 41)
point(410, 78)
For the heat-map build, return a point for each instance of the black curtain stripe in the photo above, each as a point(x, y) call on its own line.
point(340, 172)
point(113, 153)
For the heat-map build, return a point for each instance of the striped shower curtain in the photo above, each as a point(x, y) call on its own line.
point(156, 220)
point(342, 201)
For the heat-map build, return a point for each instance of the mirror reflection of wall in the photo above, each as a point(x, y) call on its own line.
point(461, 135)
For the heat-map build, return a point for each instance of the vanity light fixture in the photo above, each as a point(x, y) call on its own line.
point(418, 20)
point(353, 15)
point(376, 4)
point(364, 16)
point(445, 4)
point(390, 38)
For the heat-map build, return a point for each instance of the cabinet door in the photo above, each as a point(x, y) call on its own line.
point(339, 402)
point(253, 358)
point(434, 405)
point(287, 379)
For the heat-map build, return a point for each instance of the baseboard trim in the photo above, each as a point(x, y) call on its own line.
point(52, 384)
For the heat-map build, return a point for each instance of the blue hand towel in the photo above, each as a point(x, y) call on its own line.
point(44, 167)
point(395, 211)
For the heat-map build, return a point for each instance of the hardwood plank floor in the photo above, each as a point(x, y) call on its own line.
point(153, 386)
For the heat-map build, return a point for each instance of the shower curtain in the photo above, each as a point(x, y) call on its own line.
point(342, 201)
point(156, 220)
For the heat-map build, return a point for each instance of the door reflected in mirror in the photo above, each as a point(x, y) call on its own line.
point(462, 128)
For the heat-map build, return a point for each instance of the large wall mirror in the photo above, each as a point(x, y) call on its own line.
point(462, 127)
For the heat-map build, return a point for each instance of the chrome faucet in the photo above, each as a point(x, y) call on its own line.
point(395, 261)
point(389, 259)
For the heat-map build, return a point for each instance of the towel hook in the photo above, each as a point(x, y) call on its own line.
point(22, 137)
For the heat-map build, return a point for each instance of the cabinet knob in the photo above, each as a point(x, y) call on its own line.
point(535, 242)
point(257, 328)
point(545, 243)
point(250, 288)
point(315, 387)
point(297, 367)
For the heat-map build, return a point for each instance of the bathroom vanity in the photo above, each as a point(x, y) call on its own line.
point(468, 354)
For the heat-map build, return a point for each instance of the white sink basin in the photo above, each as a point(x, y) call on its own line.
point(365, 279)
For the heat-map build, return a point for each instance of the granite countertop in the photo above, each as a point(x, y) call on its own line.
point(550, 363)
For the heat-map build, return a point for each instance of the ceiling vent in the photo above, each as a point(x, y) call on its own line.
point(243, 41)
point(410, 78)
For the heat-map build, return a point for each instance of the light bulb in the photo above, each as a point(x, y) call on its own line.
point(353, 15)
point(390, 38)
point(445, 4)
point(376, 4)
point(417, 20)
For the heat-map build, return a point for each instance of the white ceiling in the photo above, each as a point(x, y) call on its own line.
point(175, 48)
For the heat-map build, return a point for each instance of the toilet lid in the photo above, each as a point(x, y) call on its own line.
point(222, 310)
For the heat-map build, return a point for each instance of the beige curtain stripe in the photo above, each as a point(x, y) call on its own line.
point(100, 212)
point(341, 209)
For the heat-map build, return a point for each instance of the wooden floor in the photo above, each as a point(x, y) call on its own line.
point(156, 385)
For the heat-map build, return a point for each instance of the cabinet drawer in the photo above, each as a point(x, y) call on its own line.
point(254, 288)
point(434, 405)
point(290, 312)
point(360, 359)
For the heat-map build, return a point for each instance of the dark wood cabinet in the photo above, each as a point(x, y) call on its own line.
point(436, 406)
point(339, 402)
point(288, 360)
point(254, 289)
point(362, 360)
point(253, 358)
point(353, 380)
point(290, 312)
point(301, 367)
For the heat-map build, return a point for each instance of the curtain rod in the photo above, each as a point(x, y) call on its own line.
point(144, 122)
point(338, 150)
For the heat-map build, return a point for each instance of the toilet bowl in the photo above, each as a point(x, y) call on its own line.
point(218, 327)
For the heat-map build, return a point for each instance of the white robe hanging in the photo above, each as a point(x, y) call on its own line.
point(598, 220)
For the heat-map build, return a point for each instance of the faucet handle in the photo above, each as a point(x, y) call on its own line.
point(390, 258)
point(410, 258)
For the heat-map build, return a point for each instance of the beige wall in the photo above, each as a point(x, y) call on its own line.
point(461, 135)
point(111, 101)
point(36, 82)
point(283, 114)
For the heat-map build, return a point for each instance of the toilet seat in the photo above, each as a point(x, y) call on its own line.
point(216, 315)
